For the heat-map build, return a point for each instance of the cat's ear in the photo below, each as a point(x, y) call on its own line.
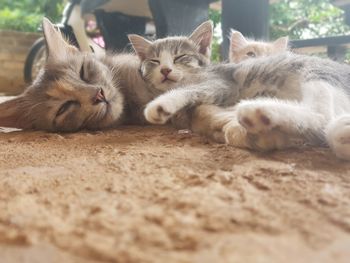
point(202, 36)
point(13, 114)
point(56, 45)
point(140, 45)
point(281, 43)
point(237, 41)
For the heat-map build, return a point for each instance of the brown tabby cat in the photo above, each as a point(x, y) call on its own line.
point(79, 90)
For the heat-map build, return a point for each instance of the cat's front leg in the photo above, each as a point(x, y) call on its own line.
point(158, 111)
point(161, 109)
point(209, 120)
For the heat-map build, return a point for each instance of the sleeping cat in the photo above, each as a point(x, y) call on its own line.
point(83, 91)
point(74, 91)
point(279, 97)
point(167, 61)
point(172, 61)
point(242, 48)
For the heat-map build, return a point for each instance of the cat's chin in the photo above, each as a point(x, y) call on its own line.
point(166, 85)
point(166, 80)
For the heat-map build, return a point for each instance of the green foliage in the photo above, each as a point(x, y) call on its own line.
point(215, 16)
point(215, 52)
point(26, 15)
point(16, 19)
point(306, 19)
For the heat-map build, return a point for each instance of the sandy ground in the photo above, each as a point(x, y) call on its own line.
point(151, 194)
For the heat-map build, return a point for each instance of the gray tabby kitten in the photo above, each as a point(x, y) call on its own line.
point(166, 62)
point(279, 97)
point(172, 61)
point(82, 91)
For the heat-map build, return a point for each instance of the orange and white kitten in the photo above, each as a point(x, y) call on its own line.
point(242, 48)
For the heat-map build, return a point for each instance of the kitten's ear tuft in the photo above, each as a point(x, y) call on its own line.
point(14, 115)
point(140, 45)
point(56, 45)
point(281, 43)
point(202, 36)
point(237, 41)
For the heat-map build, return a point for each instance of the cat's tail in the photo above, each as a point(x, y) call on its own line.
point(13, 114)
point(338, 136)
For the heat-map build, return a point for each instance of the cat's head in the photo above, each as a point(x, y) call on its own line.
point(74, 91)
point(165, 62)
point(242, 48)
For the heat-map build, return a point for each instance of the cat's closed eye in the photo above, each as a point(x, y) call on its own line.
point(155, 61)
point(251, 54)
point(83, 73)
point(65, 106)
point(179, 58)
point(186, 60)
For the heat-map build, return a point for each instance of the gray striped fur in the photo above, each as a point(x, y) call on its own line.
point(301, 95)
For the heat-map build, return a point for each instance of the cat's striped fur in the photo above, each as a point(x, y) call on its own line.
point(277, 97)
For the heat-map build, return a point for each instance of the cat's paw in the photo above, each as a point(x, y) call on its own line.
point(255, 118)
point(339, 138)
point(158, 112)
point(235, 135)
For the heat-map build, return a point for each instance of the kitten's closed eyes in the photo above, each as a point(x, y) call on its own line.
point(83, 73)
point(187, 60)
point(66, 106)
point(168, 68)
point(180, 58)
point(184, 59)
point(155, 61)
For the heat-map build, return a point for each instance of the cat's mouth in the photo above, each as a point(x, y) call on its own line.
point(165, 79)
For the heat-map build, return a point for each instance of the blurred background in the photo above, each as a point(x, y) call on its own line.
point(314, 26)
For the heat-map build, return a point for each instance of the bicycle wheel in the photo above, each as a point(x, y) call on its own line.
point(35, 60)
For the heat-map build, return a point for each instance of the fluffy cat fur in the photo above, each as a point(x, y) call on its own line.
point(242, 48)
point(79, 90)
point(275, 99)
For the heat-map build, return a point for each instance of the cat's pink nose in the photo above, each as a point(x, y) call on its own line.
point(99, 97)
point(165, 71)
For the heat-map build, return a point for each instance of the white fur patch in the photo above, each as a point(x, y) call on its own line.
point(160, 110)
